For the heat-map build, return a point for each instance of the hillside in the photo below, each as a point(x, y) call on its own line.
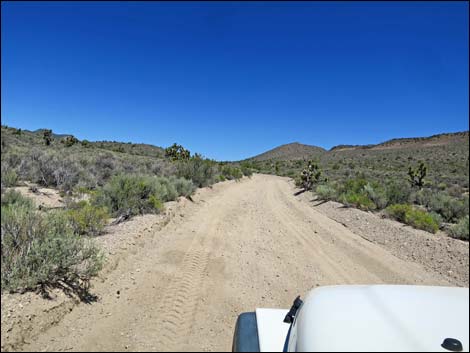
point(435, 140)
point(290, 151)
point(446, 157)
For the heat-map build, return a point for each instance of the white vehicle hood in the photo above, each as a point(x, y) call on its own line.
point(272, 331)
point(382, 318)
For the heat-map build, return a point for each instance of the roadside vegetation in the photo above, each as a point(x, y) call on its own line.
point(427, 188)
point(43, 248)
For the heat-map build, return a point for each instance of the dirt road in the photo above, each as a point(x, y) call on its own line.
point(240, 246)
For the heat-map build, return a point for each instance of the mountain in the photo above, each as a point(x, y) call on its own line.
point(290, 151)
point(409, 142)
point(298, 151)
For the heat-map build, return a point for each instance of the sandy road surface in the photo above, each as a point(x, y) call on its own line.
point(240, 246)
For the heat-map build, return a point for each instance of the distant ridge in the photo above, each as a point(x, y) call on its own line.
point(439, 139)
point(54, 135)
point(290, 151)
point(295, 151)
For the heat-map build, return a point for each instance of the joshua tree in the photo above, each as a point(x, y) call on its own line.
point(310, 176)
point(416, 176)
point(47, 136)
point(69, 141)
point(177, 152)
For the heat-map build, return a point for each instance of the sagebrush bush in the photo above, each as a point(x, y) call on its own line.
point(86, 219)
point(246, 171)
point(13, 197)
point(376, 194)
point(139, 194)
point(131, 194)
point(397, 192)
point(450, 208)
point(201, 171)
point(231, 173)
point(326, 192)
point(183, 186)
point(414, 217)
point(461, 229)
point(359, 200)
point(165, 190)
point(9, 176)
point(43, 250)
point(49, 168)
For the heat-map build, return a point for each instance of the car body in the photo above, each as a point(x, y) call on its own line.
point(362, 318)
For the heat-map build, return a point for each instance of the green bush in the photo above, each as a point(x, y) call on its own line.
point(183, 186)
point(326, 192)
point(129, 194)
point(359, 200)
point(461, 229)
point(165, 190)
point(246, 170)
point(88, 219)
point(376, 194)
point(138, 194)
point(414, 217)
point(397, 192)
point(355, 185)
point(231, 173)
point(40, 250)
point(13, 197)
point(9, 177)
point(201, 171)
point(450, 208)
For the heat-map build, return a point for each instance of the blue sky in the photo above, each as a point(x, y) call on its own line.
point(231, 80)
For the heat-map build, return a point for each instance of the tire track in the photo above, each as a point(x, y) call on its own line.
point(180, 302)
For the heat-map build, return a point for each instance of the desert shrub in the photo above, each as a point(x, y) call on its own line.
point(201, 171)
point(246, 171)
point(50, 168)
point(128, 194)
point(437, 217)
point(354, 185)
point(231, 173)
point(414, 217)
point(326, 192)
point(450, 208)
point(461, 229)
point(397, 192)
point(247, 168)
point(9, 176)
point(87, 219)
point(376, 194)
point(105, 165)
point(164, 189)
point(13, 197)
point(43, 250)
point(359, 200)
point(354, 192)
point(139, 194)
point(183, 187)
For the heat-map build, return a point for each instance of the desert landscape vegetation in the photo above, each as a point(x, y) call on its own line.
point(167, 167)
point(130, 245)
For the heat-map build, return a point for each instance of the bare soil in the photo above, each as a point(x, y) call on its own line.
point(178, 281)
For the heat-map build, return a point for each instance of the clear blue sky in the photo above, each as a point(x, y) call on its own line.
point(231, 80)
